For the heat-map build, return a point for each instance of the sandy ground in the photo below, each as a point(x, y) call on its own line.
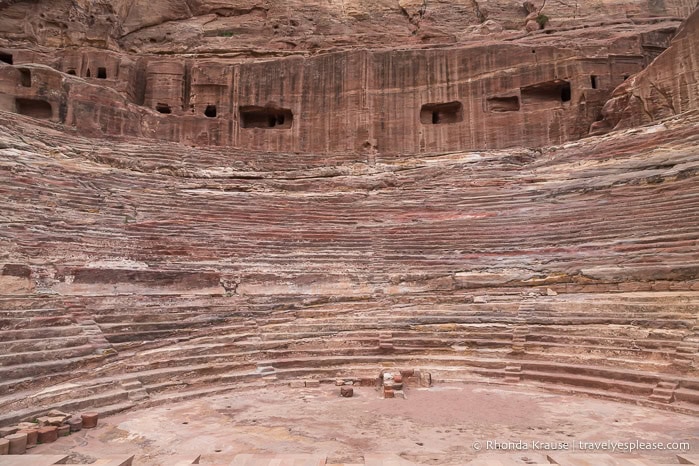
point(445, 425)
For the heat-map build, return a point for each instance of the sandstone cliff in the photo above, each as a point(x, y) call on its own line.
point(254, 27)
point(668, 87)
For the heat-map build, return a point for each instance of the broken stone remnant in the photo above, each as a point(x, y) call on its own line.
point(90, 420)
point(18, 443)
point(48, 434)
point(32, 436)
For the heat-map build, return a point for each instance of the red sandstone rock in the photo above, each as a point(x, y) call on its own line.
point(18, 443)
point(89, 420)
point(4, 446)
point(48, 434)
point(347, 392)
point(5, 431)
point(64, 430)
point(668, 87)
point(32, 436)
point(388, 393)
point(76, 424)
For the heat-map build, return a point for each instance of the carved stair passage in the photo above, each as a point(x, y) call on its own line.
point(664, 392)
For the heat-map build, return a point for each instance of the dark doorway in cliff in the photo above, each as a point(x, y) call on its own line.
point(594, 81)
point(25, 77)
point(88, 74)
point(265, 117)
point(444, 113)
point(555, 91)
point(163, 108)
point(34, 108)
point(210, 111)
point(71, 72)
point(6, 57)
point(503, 104)
point(101, 73)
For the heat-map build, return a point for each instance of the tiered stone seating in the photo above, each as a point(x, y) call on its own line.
point(571, 270)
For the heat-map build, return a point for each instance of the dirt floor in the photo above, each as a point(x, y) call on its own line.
point(445, 425)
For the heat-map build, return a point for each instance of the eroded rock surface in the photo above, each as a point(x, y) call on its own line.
point(186, 212)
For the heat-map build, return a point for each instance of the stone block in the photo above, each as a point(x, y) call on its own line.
point(368, 382)
point(398, 378)
point(425, 379)
point(312, 383)
point(90, 420)
point(18, 443)
point(388, 393)
point(407, 372)
point(5, 431)
point(339, 382)
point(4, 446)
point(347, 392)
point(76, 424)
point(64, 430)
point(297, 384)
point(32, 436)
point(48, 434)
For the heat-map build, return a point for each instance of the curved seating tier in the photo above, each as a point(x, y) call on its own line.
point(160, 272)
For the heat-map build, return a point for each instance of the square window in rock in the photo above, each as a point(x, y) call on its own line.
point(101, 73)
point(34, 108)
point(265, 117)
point(503, 104)
point(25, 77)
point(443, 113)
point(71, 72)
point(210, 111)
point(594, 81)
point(163, 108)
point(6, 57)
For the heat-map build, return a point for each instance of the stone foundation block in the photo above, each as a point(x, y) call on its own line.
point(48, 434)
point(64, 430)
point(388, 393)
point(347, 392)
point(5, 431)
point(4, 446)
point(18, 443)
point(32, 436)
point(76, 424)
point(312, 383)
point(90, 420)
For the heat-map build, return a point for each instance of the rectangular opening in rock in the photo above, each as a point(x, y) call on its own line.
point(163, 108)
point(6, 57)
point(34, 108)
point(265, 117)
point(555, 91)
point(102, 72)
point(594, 81)
point(25, 77)
point(442, 113)
point(71, 72)
point(503, 104)
point(210, 111)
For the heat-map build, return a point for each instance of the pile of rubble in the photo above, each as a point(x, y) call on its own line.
point(15, 440)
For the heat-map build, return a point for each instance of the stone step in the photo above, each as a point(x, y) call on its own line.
point(95, 402)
